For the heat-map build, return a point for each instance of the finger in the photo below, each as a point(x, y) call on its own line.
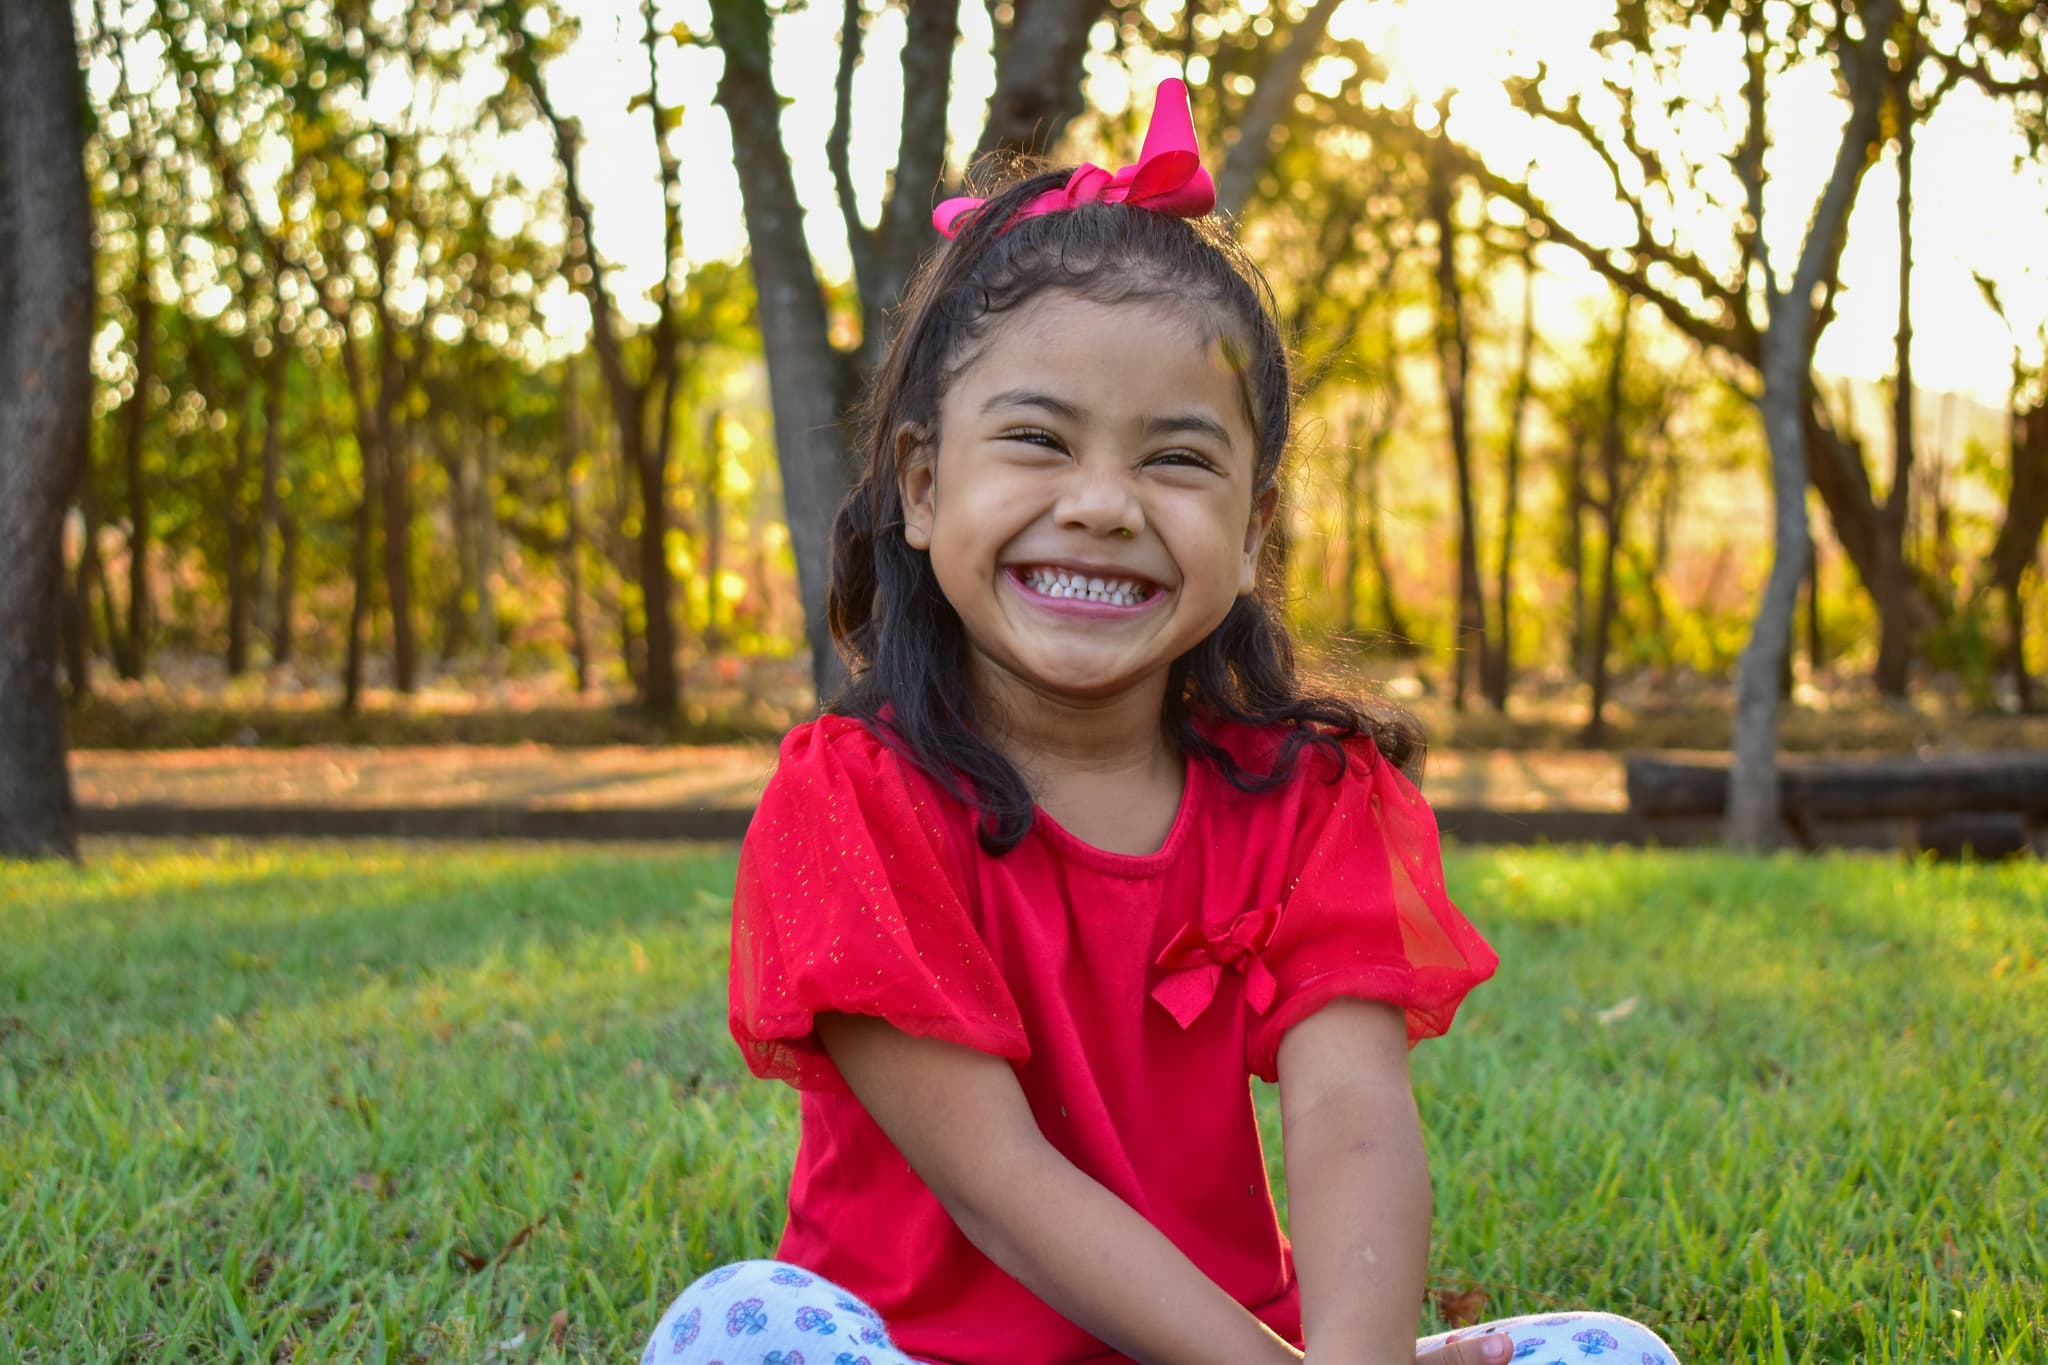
point(1487, 1348)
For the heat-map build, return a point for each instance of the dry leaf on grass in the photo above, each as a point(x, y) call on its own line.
point(512, 1244)
point(558, 1327)
point(1460, 1307)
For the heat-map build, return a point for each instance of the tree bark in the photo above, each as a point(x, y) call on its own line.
point(572, 530)
point(282, 638)
point(653, 674)
point(714, 528)
point(486, 539)
point(2017, 548)
point(906, 228)
point(1278, 84)
point(1752, 819)
point(1891, 590)
point(806, 388)
point(1613, 514)
point(46, 316)
point(1501, 676)
point(239, 579)
point(1453, 356)
point(270, 508)
point(1574, 546)
point(1038, 75)
point(131, 655)
point(395, 484)
point(361, 583)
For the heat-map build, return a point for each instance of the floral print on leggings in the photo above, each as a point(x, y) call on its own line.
point(769, 1313)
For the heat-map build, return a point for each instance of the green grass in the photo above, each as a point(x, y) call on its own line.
point(340, 1102)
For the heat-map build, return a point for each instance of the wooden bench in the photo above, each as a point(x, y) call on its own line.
point(1987, 805)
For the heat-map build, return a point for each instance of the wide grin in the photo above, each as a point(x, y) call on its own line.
point(1055, 582)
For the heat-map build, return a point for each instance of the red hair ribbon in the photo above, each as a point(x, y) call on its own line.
point(1168, 177)
point(1195, 961)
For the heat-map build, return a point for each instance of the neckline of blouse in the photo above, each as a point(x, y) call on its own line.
point(1079, 850)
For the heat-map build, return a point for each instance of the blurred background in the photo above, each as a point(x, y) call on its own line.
point(475, 371)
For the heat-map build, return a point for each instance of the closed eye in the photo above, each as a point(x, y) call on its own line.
point(1035, 436)
point(1183, 459)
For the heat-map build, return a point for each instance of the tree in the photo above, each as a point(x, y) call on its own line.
point(46, 309)
point(1502, 656)
point(2017, 549)
point(643, 400)
point(1790, 332)
point(1469, 657)
point(1720, 297)
point(1038, 49)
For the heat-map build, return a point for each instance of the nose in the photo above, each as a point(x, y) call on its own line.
point(1100, 501)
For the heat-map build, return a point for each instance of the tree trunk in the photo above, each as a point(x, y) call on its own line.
point(1278, 87)
point(362, 583)
point(485, 510)
point(394, 481)
point(46, 316)
point(1893, 587)
point(131, 655)
point(238, 578)
point(2017, 549)
point(1395, 624)
point(280, 626)
point(1469, 651)
point(1503, 656)
point(456, 611)
point(661, 691)
point(1752, 820)
point(572, 530)
point(1613, 514)
point(270, 509)
point(1038, 78)
point(905, 232)
point(714, 528)
point(1814, 652)
point(808, 382)
point(1575, 547)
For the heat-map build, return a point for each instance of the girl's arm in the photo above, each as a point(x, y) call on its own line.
point(1357, 1183)
point(961, 1120)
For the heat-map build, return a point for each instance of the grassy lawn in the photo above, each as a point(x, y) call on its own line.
point(461, 1104)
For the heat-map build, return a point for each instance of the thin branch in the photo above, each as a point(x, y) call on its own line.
point(1246, 161)
point(859, 239)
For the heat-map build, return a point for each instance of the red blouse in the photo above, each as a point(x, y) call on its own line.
point(1132, 994)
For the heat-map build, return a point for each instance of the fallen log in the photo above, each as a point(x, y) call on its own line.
point(1986, 801)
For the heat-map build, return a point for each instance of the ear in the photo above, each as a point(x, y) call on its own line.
point(917, 483)
point(1264, 508)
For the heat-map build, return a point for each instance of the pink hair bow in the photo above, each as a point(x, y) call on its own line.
point(1195, 961)
point(1168, 177)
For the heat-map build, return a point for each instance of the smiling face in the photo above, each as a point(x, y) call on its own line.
point(1088, 499)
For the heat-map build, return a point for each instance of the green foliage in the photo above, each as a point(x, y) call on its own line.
point(365, 1102)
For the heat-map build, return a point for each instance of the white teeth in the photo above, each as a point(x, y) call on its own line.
point(1060, 583)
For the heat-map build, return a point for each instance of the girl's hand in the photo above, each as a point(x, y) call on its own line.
point(1491, 1348)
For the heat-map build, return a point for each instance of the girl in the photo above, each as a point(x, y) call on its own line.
point(1078, 852)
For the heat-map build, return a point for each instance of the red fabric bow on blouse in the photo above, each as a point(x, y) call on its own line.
point(1195, 961)
point(1168, 177)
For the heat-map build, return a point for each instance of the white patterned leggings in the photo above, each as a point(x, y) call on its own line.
point(769, 1313)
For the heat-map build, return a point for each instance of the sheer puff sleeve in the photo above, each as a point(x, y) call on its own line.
point(1365, 913)
point(847, 902)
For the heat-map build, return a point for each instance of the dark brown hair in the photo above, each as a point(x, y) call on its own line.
point(902, 638)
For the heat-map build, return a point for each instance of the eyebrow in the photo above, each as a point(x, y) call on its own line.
point(1192, 423)
point(1032, 398)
